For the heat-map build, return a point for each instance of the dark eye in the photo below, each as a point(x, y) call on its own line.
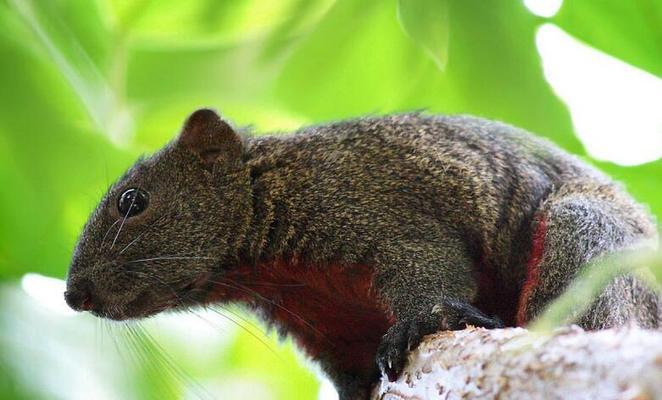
point(132, 202)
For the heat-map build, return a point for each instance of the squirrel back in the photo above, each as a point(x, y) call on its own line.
point(484, 179)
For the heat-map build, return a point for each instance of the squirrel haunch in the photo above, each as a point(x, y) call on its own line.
point(359, 237)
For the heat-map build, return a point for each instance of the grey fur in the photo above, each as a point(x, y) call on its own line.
point(424, 200)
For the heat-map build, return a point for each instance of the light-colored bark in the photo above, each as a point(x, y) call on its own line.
point(514, 363)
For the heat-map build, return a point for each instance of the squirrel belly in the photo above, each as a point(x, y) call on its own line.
point(332, 311)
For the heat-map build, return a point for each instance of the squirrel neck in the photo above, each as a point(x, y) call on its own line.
point(271, 232)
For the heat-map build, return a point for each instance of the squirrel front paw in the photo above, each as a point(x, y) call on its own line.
point(406, 334)
point(458, 314)
point(398, 340)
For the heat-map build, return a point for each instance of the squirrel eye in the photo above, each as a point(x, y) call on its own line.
point(132, 202)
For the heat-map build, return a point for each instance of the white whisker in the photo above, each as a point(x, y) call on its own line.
point(107, 232)
point(132, 242)
point(172, 258)
point(123, 221)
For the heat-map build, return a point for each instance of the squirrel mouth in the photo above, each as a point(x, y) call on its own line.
point(150, 303)
point(147, 305)
point(191, 291)
point(190, 294)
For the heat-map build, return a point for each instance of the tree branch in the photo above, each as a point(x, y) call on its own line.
point(624, 363)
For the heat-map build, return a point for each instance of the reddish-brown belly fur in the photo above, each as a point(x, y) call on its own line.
point(331, 310)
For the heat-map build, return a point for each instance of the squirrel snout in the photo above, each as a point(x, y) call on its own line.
point(79, 296)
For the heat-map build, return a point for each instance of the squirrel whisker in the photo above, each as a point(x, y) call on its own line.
point(123, 221)
point(256, 337)
point(250, 291)
point(107, 232)
point(172, 258)
point(141, 234)
point(132, 242)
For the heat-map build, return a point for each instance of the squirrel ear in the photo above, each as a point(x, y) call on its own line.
point(213, 139)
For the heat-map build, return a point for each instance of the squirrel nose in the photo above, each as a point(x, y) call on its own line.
point(80, 297)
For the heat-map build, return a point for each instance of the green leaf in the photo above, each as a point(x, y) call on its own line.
point(630, 30)
point(426, 23)
point(64, 49)
point(357, 61)
point(642, 181)
point(592, 279)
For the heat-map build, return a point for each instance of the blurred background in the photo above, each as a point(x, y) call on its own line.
point(86, 86)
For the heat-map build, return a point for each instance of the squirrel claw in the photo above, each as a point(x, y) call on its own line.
point(391, 352)
point(405, 335)
point(399, 340)
point(466, 314)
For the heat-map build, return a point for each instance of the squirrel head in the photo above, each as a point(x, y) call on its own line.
point(169, 223)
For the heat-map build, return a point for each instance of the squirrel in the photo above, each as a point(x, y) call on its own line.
point(359, 237)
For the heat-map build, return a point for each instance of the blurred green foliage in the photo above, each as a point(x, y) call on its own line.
point(89, 85)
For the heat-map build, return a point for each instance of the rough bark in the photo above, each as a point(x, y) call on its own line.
point(514, 363)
